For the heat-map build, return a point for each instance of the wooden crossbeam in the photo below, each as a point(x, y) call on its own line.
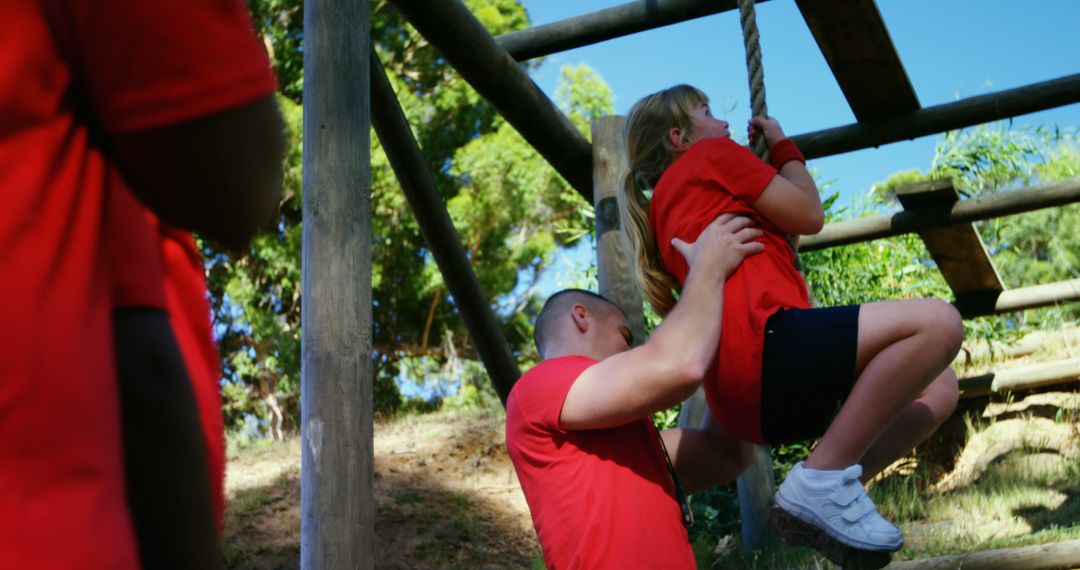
point(418, 185)
point(957, 249)
point(856, 45)
point(606, 24)
point(1020, 299)
point(1021, 378)
point(981, 208)
point(470, 49)
point(941, 118)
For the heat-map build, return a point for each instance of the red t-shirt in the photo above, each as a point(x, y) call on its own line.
point(157, 266)
point(599, 498)
point(712, 177)
point(189, 313)
point(129, 65)
point(134, 254)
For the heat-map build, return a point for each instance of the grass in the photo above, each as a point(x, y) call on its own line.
point(1029, 493)
point(1024, 490)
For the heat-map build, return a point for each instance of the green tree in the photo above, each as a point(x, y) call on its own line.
point(511, 210)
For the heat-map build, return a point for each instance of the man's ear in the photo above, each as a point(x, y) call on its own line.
point(675, 136)
point(581, 317)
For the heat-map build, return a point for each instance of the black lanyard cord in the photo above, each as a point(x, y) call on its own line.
point(680, 496)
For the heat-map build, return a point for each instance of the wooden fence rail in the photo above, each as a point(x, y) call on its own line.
point(908, 221)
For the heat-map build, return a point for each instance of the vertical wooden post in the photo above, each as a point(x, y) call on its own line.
point(337, 512)
point(756, 488)
point(614, 259)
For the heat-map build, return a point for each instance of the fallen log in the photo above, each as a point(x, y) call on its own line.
point(1052, 556)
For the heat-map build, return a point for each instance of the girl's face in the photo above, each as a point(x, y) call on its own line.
point(704, 126)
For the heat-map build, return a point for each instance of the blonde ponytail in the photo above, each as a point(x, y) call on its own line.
point(655, 281)
point(650, 152)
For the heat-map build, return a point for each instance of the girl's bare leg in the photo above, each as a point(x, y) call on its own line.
point(916, 423)
point(903, 347)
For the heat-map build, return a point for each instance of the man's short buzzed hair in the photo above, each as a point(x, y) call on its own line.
point(558, 304)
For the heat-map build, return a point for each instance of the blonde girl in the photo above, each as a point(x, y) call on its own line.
point(872, 380)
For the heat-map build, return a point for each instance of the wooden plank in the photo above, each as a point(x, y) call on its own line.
point(418, 185)
point(1051, 556)
point(615, 263)
point(470, 49)
point(958, 250)
point(337, 515)
point(940, 118)
point(1021, 378)
point(606, 24)
point(981, 208)
point(857, 46)
point(1020, 299)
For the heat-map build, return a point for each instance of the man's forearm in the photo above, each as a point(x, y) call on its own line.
point(691, 332)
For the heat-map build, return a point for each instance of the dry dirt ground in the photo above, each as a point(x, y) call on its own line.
point(446, 496)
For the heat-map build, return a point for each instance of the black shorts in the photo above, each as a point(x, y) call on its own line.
point(807, 370)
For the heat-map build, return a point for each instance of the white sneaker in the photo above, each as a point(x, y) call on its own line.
point(836, 502)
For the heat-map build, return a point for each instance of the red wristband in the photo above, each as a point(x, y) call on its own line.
point(783, 152)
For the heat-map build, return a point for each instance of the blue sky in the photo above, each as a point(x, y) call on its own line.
point(951, 49)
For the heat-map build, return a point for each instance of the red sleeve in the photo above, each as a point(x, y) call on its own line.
point(736, 168)
point(135, 264)
point(540, 393)
point(148, 63)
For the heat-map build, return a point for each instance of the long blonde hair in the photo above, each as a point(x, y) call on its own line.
point(650, 152)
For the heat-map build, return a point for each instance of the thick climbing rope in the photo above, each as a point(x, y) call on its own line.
point(755, 72)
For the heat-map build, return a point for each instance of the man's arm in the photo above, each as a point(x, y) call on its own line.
point(219, 175)
point(705, 458)
point(668, 368)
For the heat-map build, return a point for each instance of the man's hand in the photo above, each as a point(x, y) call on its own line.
point(767, 127)
point(722, 245)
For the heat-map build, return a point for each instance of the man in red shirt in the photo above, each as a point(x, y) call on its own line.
point(590, 461)
point(167, 364)
point(177, 96)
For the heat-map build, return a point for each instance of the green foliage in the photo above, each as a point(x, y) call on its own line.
point(1027, 249)
point(512, 212)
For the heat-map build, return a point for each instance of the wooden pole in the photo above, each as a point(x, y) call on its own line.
point(949, 116)
point(336, 507)
point(1021, 378)
point(1051, 556)
point(1031, 297)
point(606, 24)
point(471, 50)
point(442, 239)
point(756, 486)
point(614, 258)
point(964, 211)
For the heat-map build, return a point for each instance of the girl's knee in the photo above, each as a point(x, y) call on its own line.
point(943, 322)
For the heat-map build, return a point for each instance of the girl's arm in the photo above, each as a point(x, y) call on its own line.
point(791, 200)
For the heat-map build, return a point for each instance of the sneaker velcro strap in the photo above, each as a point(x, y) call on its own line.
point(846, 494)
point(857, 510)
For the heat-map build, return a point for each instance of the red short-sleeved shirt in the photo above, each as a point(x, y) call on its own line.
point(157, 266)
point(130, 65)
point(599, 498)
point(712, 177)
point(189, 313)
